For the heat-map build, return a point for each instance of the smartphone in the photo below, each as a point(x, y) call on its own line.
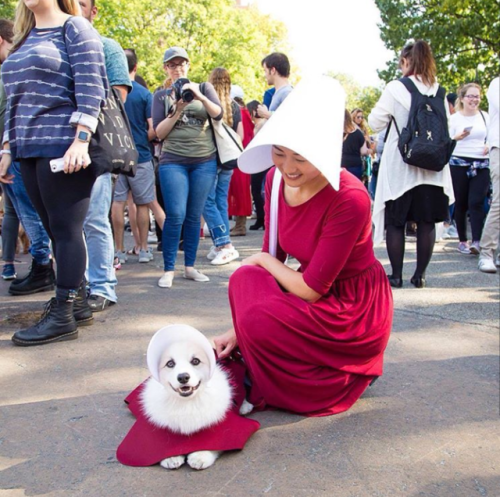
point(57, 165)
point(468, 129)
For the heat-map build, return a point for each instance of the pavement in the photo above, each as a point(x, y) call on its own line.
point(429, 427)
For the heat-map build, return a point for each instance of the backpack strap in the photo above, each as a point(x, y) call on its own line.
point(409, 84)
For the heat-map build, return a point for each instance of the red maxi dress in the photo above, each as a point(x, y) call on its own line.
point(316, 359)
point(239, 197)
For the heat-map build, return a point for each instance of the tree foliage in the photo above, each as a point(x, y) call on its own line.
point(464, 36)
point(214, 33)
point(357, 96)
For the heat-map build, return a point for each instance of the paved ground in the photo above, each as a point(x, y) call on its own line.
point(429, 427)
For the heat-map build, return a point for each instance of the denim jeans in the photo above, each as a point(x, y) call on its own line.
point(40, 242)
point(215, 211)
point(10, 230)
point(99, 238)
point(185, 189)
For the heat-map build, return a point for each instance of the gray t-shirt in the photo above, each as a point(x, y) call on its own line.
point(279, 96)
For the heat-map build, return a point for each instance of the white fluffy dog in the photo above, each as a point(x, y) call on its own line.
point(188, 391)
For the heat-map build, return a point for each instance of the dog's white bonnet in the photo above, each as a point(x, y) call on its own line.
point(310, 122)
point(168, 335)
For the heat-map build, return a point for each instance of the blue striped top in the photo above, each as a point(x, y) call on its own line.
point(52, 85)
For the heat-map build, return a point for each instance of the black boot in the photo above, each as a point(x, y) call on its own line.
point(41, 278)
point(81, 309)
point(258, 224)
point(57, 324)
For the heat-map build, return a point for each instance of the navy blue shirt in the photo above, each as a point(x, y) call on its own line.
point(138, 108)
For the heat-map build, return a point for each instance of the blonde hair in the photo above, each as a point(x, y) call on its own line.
point(24, 21)
point(363, 127)
point(348, 124)
point(462, 91)
point(221, 80)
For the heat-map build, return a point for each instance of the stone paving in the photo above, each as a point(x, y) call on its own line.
point(429, 427)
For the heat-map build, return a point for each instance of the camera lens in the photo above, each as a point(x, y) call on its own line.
point(187, 95)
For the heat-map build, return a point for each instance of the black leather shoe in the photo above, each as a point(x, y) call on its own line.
point(41, 278)
point(81, 309)
point(56, 325)
point(395, 282)
point(257, 226)
point(98, 303)
point(418, 281)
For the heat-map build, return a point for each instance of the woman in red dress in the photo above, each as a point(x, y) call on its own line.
point(313, 339)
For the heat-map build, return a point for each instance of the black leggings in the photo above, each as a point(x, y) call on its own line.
point(62, 202)
point(256, 183)
point(395, 241)
point(469, 196)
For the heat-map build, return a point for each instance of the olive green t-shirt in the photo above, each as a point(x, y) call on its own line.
point(192, 136)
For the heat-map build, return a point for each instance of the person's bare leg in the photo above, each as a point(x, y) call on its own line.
point(158, 212)
point(132, 216)
point(117, 218)
point(143, 225)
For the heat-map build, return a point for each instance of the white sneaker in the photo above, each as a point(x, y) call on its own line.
point(195, 275)
point(152, 238)
point(213, 252)
point(166, 280)
point(486, 265)
point(144, 256)
point(225, 256)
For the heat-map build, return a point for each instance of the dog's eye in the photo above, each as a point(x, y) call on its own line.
point(170, 364)
point(195, 362)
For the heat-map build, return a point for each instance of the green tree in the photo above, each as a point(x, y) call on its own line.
point(464, 36)
point(356, 95)
point(214, 32)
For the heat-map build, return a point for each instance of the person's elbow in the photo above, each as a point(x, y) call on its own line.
point(310, 295)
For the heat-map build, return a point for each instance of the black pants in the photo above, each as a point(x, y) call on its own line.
point(469, 196)
point(257, 180)
point(62, 202)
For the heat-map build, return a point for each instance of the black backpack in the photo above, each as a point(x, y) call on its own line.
point(425, 141)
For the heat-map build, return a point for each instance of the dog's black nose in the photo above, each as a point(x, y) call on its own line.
point(183, 378)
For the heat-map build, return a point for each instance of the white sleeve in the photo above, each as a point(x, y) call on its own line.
point(380, 115)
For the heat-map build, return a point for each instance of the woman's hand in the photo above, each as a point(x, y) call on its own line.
point(225, 343)
point(255, 260)
point(4, 168)
point(486, 150)
point(76, 157)
point(462, 135)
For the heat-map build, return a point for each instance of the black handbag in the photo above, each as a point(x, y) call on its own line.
point(112, 148)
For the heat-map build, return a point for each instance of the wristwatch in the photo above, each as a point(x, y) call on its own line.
point(84, 136)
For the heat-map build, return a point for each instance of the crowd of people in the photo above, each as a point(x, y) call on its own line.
point(57, 74)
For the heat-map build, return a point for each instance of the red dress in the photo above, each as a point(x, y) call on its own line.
point(239, 197)
point(316, 358)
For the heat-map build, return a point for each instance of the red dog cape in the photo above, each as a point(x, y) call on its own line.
point(146, 444)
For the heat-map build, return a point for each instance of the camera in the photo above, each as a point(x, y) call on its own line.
point(187, 95)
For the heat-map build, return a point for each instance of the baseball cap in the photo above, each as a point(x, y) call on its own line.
point(174, 52)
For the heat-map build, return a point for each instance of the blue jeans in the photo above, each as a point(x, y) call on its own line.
point(215, 211)
point(100, 247)
point(10, 229)
point(185, 190)
point(40, 242)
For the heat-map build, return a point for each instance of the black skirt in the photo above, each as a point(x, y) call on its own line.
point(424, 203)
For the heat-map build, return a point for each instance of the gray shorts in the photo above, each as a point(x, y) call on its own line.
point(142, 185)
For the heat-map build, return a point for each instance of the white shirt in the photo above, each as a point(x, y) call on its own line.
point(493, 97)
point(395, 177)
point(471, 146)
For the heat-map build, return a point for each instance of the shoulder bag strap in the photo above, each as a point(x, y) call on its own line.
point(273, 220)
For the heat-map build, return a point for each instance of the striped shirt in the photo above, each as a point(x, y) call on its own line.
point(53, 85)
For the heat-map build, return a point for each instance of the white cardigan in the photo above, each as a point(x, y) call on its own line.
point(395, 177)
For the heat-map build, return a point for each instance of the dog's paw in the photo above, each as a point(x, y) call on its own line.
point(173, 462)
point(202, 459)
point(246, 408)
